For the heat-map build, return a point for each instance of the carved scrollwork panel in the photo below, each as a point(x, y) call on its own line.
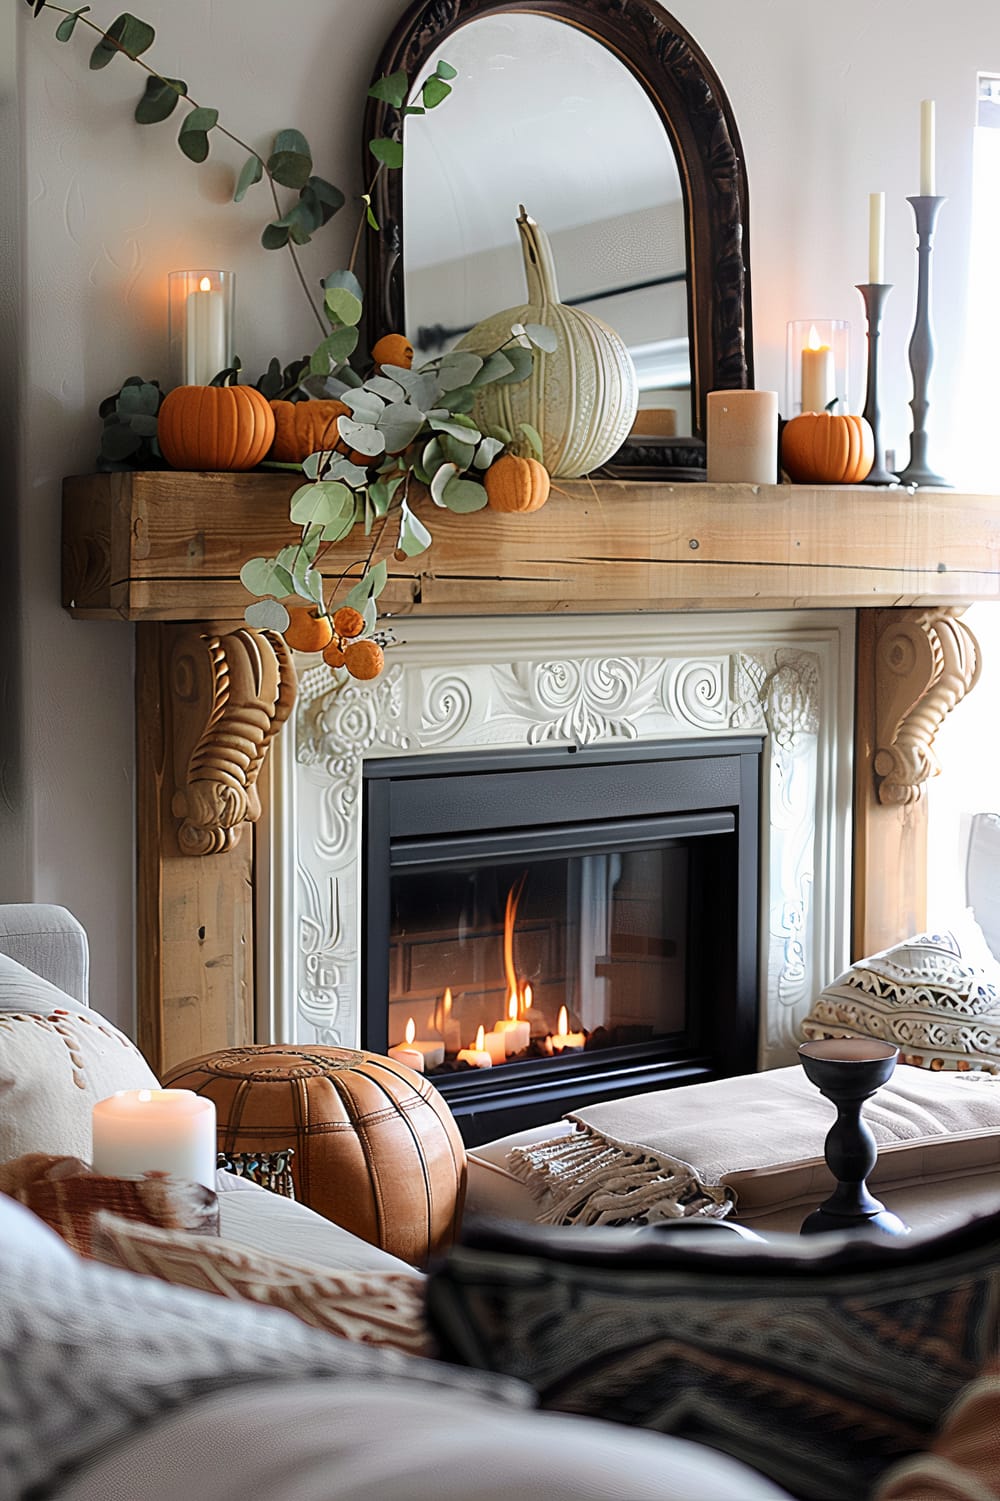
point(231, 693)
point(926, 661)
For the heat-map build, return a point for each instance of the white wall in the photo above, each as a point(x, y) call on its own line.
point(828, 106)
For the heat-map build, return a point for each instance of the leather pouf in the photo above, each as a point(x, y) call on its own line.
point(377, 1149)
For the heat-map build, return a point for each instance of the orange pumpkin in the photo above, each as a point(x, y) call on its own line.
point(516, 484)
point(214, 427)
point(393, 349)
point(305, 427)
point(307, 629)
point(826, 448)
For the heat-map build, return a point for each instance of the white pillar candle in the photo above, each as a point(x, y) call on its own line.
point(817, 375)
point(562, 1040)
point(477, 1056)
point(495, 1044)
point(876, 238)
point(139, 1131)
point(517, 1033)
point(742, 437)
point(407, 1052)
point(447, 1024)
point(205, 352)
point(927, 148)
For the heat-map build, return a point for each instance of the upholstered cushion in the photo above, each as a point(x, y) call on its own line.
point(50, 941)
point(377, 1308)
point(22, 990)
point(57, 1060)
point(376, 1146)
point(67, 1195)
point(90, 1355)
point(936, 996)
point(818, 1361)
point(963, 1462)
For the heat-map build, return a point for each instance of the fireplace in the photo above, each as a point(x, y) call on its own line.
point(548, 927)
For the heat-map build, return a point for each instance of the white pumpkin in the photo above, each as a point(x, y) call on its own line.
point(583, 397)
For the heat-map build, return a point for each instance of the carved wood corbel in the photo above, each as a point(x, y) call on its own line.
point(926, 662)
point(231, 694)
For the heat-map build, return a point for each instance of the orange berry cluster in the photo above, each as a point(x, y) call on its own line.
point(363, 659)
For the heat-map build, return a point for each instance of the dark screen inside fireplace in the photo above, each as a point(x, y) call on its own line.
point(546, 928)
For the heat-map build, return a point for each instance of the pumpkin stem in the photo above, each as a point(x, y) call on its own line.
point(539, 262)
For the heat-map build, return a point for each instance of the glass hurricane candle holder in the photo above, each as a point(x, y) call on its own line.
point(817, 352)
point(200, 325)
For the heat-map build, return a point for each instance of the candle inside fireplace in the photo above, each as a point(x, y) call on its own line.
point(407, 1052)
point(477, 1056)
point(139, 1131)
point(516, 1031)
point(562, 1040)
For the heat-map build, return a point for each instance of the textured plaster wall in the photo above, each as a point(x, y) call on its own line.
point(828, 106)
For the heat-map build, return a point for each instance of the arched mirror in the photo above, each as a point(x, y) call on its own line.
point(608, 123)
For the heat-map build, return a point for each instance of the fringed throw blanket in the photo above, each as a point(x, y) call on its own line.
point(753, 1142)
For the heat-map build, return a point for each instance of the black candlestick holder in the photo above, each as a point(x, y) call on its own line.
point(921, 349)
point(873, 294)
point(848, 1071)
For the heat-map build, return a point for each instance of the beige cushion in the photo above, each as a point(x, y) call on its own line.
point(376, 1308)
point(54, 1066)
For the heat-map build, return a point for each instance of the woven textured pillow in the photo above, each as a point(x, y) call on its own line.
point(936, 996)
point(375, 1308)
point(819, 1362)
point(963, 1463)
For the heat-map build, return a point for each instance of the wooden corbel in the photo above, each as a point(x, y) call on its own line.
point(231, 694)
point(926, 662)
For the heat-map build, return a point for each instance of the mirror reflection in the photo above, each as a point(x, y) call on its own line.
point(543, 114)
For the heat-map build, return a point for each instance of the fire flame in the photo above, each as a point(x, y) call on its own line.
point(814, 342)
point(562, 1026)
point(204, 285)
point(481, 1040)
point(509, 919)
point(526, 998)
point(410, 1031)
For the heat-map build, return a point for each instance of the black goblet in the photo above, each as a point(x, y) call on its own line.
point(848, 1071)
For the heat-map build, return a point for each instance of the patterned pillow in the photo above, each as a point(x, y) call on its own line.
point(57, 1060)
point(963, 1463)
point(376, 1308)
point(819, 1362)
point(90, 1356)
point(936, 996)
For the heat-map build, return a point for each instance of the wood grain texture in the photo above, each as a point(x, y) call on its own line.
point(175, 544)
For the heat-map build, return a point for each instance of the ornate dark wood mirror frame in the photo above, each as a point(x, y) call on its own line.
point(698, 119)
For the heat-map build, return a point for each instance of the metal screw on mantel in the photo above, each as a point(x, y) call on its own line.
point(921, 349)
point(873, 294)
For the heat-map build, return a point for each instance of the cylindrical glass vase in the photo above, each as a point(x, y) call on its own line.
point(200, 325)
point(816, 365)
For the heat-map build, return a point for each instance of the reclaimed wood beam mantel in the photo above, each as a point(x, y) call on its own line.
point(169, 546)
point(164, 550)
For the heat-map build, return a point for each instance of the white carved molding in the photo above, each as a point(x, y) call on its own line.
point(472, 684)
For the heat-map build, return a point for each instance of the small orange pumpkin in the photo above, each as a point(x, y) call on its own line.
point(305, 427)
point(214, 427)
point(393, 349)
point(307, 629)
point(827, 448)
point(516, 484)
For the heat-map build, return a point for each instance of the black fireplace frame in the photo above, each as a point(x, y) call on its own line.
point(430, 809)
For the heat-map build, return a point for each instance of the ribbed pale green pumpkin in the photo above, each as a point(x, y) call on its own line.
point(583, 397)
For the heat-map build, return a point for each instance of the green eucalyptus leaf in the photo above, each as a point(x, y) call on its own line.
point(160, 100)
point(267, 615)
point(382, 491)
point(342, 468)
point(464, 496)
point(389, 390)
point(414, 537)
point(432, 456)
point(370, 617)
point(336, 531)
point(311, 537)
point(533, 436)
point(502, 435)
point(462, 401)
point(387, 151)
point(459, 368)
point(414, 109)
point(333, 351)
point(257, 575)
point(119, 441)
point(369, 586)
point(446, 475)
point(399, 424)
point(434, 91)
point(65, 28)
point(125, 34)
point(145, 424)
point(311, 464)
point(458, 451)
point(320, 503)
point(361, 436)
point(322, 197)
point(544, 337)
point(494, 366)
point(290, 162)
point(138, 396)
point(521, 361)
point(445, 70)
point(308, 583)
point(392, 88)
point(370, 216)
point(252, 171)
point(365, 405)
point(465, 431)
point(487, 452)
point(342, 306)
point(288, 557)
point(420, 385)
point(347, 280)
point(193, 135)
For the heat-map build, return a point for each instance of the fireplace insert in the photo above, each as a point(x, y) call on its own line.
point(549, 927)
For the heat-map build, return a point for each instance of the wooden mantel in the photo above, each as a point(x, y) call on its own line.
point(165, 550)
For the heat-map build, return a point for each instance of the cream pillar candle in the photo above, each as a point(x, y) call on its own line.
point(876, 238)
point(477, 1056)
point(516, 1032)
point(205, 352)
point(140, 1131)
point(406, 1052)
point(818, 388)
point(495, 1044)
point(742, 437)
point(562, 1040)
point(927, 148)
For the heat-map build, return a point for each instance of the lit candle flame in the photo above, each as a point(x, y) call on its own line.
point(562, 1026)
point(814, 342)
point(528, 997)
point(512, 1006)
point(509, 918)
point(204, 285)
point(481, 1040)
point(446, 1001)
point(410, 1031)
